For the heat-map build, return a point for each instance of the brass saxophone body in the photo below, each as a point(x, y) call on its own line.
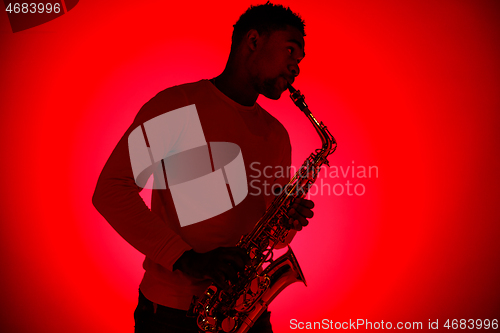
point(235, 309)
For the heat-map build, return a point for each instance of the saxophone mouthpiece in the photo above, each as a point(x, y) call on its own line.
point(297, 97)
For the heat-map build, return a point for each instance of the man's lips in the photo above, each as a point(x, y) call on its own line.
point(286, 82)
point(289, 79)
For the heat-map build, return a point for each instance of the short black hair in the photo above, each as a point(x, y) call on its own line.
point(265, 19)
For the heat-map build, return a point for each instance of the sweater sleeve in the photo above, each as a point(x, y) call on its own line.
point(117, 198)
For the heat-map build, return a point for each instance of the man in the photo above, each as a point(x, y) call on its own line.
point(199, 131)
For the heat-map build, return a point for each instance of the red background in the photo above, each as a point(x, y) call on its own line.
point(410, 87)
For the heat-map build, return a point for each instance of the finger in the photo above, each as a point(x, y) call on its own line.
point(305, 203)
point(305, 212)
point(219, 279)
point(297, 225)
point(295, 204)
point(234, 260)
point(229, 272)
point(236, 256)
point(299, 220)
point(243, 255)
point(301, 212)
point(303, 221)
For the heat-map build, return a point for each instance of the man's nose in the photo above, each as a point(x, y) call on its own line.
point(294, 69)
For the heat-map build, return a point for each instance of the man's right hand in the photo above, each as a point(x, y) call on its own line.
point(219, 265)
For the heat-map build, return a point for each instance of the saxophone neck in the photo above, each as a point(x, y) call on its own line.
point(328, 141)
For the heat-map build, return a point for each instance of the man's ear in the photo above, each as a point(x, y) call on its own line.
point(252, 38)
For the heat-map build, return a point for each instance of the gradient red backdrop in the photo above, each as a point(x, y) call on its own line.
point(412, 88)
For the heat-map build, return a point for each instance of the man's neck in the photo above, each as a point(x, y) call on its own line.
point(236, 88)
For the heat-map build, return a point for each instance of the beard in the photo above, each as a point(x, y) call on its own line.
point(272, 88)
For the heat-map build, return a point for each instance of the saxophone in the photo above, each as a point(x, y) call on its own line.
point(236, 308)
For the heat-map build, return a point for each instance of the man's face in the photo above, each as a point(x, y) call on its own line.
point(276, 61)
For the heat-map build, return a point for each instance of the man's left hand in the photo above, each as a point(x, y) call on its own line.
point(299, 212)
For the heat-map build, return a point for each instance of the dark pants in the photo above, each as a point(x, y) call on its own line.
point(169, 320)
